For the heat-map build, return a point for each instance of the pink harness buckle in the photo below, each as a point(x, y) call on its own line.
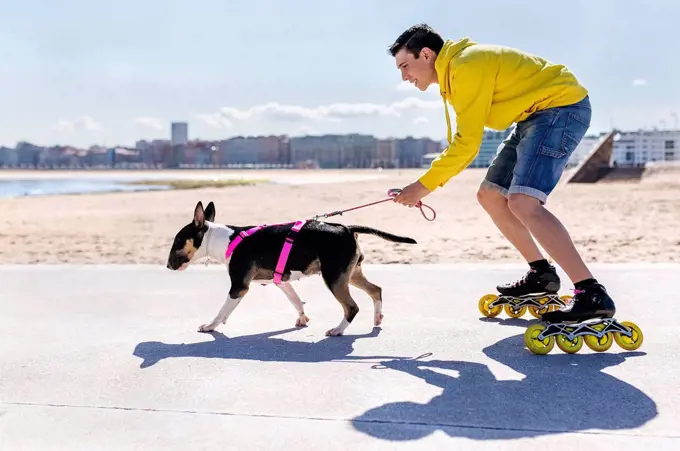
point(285, 252)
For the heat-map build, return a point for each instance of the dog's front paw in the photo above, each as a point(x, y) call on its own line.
point(335, 332)
point(302, 321)
point(378, 319)
point(206, 328)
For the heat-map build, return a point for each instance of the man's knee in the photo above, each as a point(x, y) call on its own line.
point(491, 199)
point(524, 207)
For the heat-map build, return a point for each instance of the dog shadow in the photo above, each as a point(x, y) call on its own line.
point(560, 393)
point(261, 347)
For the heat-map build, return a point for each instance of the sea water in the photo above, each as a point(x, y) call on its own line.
point(44, 187)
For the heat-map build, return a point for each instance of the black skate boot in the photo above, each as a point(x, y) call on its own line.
point(589, 303)
point(535, 281)
point(536, 292)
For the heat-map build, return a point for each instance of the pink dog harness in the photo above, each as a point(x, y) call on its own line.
point(285, 252)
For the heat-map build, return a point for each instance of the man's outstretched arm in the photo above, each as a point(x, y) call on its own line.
point(473, 86)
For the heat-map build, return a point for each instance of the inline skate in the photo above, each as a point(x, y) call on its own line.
point(536, 292)
point(588, 318)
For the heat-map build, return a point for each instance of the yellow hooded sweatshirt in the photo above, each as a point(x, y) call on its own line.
point(492, 86)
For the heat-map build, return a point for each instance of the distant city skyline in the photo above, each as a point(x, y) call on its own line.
point(81, 73)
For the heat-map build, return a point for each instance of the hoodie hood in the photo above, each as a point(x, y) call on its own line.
point(449, 51)
point(442, 64)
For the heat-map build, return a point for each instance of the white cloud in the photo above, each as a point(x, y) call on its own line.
point(333, 113)
point(639, 82)
point(215, 120)
point(421, 120)
point(79, 124)
point(304, 130)
point(149, 122)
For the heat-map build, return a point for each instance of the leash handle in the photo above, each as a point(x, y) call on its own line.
point(395, 191)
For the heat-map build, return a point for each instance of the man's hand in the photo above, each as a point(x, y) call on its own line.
point(412, 194)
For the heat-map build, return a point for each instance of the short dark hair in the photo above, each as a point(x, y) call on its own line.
point(417, 37)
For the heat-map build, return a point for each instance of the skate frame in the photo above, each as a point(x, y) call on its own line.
point(529, 300)
point(573, 330)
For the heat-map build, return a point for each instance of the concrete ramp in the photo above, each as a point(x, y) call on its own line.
point(597, 164)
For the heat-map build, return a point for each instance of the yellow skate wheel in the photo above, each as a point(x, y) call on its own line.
point(629, 343)
point(540, 347)
point(536, 312)
point(569, 346)
point(484, 303)
point(513, 312)
point(599, 344)
point(533, 311)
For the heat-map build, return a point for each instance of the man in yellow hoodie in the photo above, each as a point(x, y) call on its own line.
point(495, 86)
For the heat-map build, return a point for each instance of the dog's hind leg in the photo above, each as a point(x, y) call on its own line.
point(337, 280)
point(374, 291)
point(294, 299)
point(238, 290)
point(340, 290)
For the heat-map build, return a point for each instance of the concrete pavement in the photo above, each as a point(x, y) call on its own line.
point(108, 357)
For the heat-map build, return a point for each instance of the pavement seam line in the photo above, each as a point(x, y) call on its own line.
point(287, 417)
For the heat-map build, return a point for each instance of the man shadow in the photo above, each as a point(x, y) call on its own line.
point(261, 347)
point(560, 393)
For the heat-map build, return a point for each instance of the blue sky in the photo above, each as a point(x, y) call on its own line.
point(85, 72)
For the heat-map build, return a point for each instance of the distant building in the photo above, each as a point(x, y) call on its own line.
point(386, 154)
point(410, 151)
point(179, 133)
point(334, 151)
point(639, 147)
point(491, 140)
point(4, 155)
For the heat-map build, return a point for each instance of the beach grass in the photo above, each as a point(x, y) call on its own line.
point(199, 183)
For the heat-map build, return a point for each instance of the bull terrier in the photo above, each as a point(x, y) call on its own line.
point(281, 254)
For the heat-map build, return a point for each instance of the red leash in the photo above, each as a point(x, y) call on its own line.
point(391, 193)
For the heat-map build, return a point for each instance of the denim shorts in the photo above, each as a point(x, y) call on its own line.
point(531, 160)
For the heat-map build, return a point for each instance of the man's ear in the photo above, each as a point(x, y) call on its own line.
point(210, 212)
point(199, 215)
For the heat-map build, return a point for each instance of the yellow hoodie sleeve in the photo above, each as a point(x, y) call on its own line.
point(472, 87)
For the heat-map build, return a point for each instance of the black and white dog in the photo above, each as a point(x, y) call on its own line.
point(319, 247)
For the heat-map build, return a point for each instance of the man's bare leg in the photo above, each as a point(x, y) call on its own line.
point(551, 235)
point(496, 205)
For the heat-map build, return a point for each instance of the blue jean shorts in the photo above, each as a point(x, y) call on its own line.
point(532, 159)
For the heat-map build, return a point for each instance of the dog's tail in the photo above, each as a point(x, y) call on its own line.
point(381, 234)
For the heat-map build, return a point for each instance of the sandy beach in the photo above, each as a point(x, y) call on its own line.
point(610, 222)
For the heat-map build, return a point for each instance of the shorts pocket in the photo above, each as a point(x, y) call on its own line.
point(575, 129)
point(550, 152)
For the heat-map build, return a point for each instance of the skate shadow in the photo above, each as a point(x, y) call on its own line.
point(261, 347)
point(560, 393)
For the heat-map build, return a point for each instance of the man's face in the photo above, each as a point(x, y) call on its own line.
point(419, 71)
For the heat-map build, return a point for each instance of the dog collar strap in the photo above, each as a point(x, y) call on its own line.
point(285, 252)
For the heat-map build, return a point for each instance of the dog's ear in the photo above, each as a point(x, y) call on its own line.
point(210, 212)
point(199, 215)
